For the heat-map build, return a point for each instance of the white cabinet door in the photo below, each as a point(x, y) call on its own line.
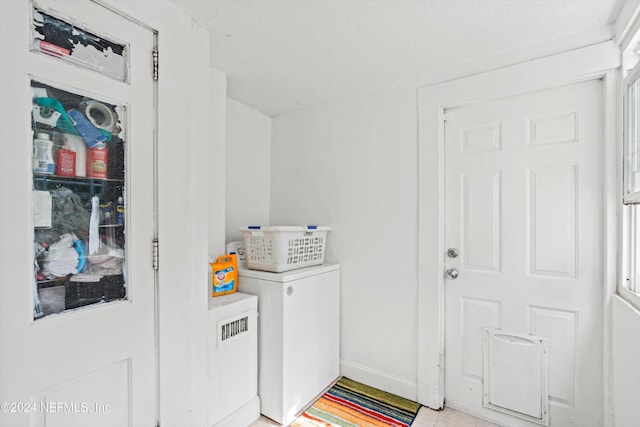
point(523, 197)
point(93, 361)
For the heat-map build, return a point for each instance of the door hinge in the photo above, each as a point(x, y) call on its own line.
point(447, 116)
point(155, 255)
point(155, 65)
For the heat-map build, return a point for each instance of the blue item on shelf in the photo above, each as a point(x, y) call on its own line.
point(86, 129)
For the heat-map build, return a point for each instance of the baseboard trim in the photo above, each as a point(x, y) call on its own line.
point(243, 416)
point(384, 381)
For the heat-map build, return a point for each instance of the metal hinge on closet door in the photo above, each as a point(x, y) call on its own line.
point(156, 263)
point(155, 65)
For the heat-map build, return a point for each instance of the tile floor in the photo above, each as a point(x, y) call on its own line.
point(447, 418)
point(426, 418)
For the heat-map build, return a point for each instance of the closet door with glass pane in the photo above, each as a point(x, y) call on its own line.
point(77, 288)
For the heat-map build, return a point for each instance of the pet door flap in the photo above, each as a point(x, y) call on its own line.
point(515, 375)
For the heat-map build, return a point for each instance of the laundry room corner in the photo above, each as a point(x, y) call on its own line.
point(248, 169)
point(352, 163)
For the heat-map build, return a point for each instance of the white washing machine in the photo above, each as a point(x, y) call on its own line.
point(298, 335)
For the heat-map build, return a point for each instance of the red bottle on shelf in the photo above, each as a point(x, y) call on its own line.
point(65, 162)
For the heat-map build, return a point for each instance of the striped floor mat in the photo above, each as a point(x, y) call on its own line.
point(351, 404)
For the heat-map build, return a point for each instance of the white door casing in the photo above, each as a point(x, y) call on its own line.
point(522, 205)
point(589, 63)
point(95, 366)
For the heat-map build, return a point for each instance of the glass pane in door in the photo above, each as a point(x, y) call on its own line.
point(632, 134)
point(78, 165)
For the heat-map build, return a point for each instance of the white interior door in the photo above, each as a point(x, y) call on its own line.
point(92, 363)
point(523, 210)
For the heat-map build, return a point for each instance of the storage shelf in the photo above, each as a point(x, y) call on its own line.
point(75, 179)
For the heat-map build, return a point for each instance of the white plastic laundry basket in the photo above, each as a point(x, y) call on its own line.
point(282, 248)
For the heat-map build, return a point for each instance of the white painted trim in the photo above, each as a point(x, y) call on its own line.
point(590, 37)
point(631, 198)
point(243, 416)
point(374, 378)
point(578, 65)
point(629, 296)
point(612, 182)
point(626, 24)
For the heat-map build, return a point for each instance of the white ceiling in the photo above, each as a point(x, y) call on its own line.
point(279, 55)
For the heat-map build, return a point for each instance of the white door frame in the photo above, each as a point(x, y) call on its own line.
point(594, 62)
point(182, 306)
point(183, 218)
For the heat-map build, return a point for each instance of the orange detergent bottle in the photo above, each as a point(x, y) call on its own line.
point(224, 275)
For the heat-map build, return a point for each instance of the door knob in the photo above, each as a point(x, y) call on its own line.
point(452, 274)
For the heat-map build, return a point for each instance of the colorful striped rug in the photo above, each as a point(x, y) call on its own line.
point(352, 404)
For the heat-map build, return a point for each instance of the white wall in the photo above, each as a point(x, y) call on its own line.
point(216, 188)
point(353, 165)
point(625, 334)
point(248, 167)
